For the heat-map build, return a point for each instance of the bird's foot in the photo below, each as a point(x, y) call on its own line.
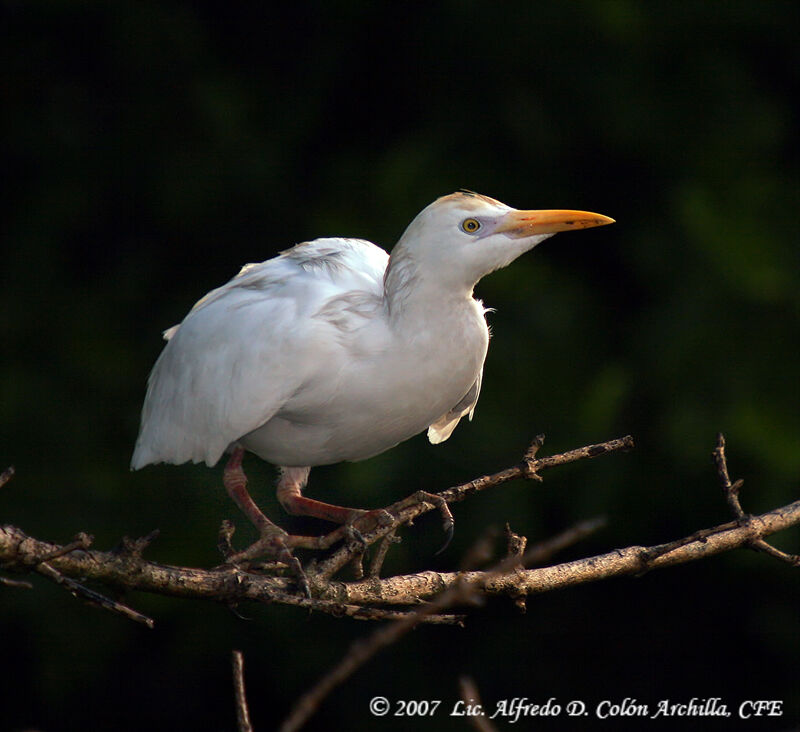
point(355, 522)
point(361, 522)
point(364, 522)
point(275, 544)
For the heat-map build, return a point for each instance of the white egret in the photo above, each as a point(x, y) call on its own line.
point(335, 351)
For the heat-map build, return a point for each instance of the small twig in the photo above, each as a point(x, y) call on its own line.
point(474, 706)
point(6, 475)
point(766, 548)
point(533, 448)
point(93, 598)
point(82, 540)
point(731, 490)
point(242, 712)
point(19, 584)
point(515, 544)
point(515, 547)
point(580, 453)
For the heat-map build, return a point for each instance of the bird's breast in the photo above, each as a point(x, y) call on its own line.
point(365, 399)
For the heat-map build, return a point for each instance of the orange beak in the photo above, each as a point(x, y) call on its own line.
point(519, 224)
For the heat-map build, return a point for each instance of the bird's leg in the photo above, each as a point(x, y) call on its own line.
point(274, 541)
point(236, 484)
point(289, 491)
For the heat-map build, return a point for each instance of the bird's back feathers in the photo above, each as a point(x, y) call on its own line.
point(247, 346)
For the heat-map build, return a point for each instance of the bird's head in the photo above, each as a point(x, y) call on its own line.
point(462, 237)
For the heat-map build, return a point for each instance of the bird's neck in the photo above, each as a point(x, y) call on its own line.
point(414, 296)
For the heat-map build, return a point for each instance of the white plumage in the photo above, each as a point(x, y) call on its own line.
point(333, 351)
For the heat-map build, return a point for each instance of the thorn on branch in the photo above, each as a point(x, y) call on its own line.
point(134, 548)
point(515, 547)
point(515, 543)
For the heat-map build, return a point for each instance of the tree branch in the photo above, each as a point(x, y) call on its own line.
point(410, 508)
point(392, 597)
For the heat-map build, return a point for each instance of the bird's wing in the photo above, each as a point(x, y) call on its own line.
point(249, 346)
point(443, 427)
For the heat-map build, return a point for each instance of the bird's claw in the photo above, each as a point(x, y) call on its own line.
point(448, 522)
point(449, 529)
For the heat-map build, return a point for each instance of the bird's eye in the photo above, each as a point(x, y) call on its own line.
point(470, 226)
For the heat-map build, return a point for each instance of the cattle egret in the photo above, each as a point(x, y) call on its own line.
point(335, 351)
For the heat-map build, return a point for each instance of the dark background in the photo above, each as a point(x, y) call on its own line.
point(150, 149)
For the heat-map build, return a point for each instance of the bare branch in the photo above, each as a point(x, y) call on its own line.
point(231, 584)
point(19, 584)
point(472, 700)
point(6, 475)
point(391, 598)
point(731, 490)
point(242, 712)
point(409, 509)
point(633, 560)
